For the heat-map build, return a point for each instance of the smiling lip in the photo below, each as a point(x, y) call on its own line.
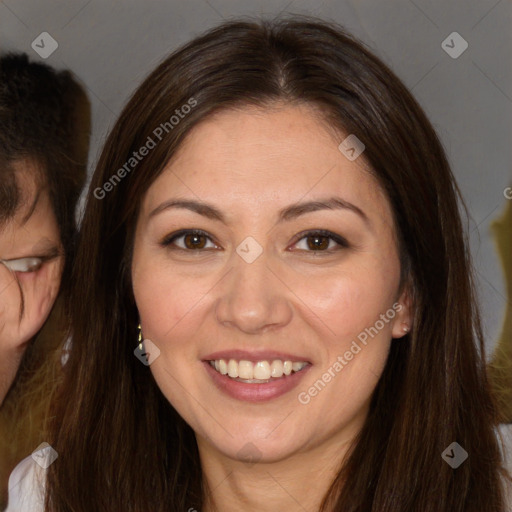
point(254, 392)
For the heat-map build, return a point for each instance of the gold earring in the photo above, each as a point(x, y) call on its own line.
point(140, 337)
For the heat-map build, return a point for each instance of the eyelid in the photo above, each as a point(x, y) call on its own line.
point(23, 264)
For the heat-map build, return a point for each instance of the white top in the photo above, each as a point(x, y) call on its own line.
point(27, 487)
point(27, 481)
point(506, 451)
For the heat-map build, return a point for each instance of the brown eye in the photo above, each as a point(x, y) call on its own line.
point(319, 241)
point(316, 242)
point(192, 240)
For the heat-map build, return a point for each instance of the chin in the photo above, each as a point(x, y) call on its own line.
point(252, 448)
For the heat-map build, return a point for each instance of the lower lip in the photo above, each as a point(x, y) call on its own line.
point(255, 392)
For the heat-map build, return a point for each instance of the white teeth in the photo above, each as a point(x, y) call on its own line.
point(276, 369)
point(262, 370)
point(296, 367)
point(245, 370)
point(223, 367)
point(256, 372)
point(233, 369)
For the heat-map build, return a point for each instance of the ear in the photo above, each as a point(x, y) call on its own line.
point(403, 321)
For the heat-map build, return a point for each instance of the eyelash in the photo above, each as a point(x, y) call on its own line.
point(168, 241)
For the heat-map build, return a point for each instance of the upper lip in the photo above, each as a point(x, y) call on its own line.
point(254, 356)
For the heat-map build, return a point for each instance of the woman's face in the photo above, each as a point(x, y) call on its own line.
point(30, 272)
point(253, 289)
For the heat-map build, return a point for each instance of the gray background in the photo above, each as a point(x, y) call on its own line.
point(111, 45)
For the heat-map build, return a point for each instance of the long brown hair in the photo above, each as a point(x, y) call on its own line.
point(122, 446)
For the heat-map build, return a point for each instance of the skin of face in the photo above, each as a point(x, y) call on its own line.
point(37, 236)
point(250, 163)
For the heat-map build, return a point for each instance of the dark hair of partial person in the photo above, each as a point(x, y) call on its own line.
point(39, 120)
point(44, 127)
point(122, 446)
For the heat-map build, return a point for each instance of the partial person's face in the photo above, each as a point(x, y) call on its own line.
point(30, 271)
point(327, 304)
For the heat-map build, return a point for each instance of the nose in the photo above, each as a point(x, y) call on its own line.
point(252, 298)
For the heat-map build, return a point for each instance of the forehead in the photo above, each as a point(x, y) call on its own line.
point(34, 218)
point(20, 186)
point(269, 156)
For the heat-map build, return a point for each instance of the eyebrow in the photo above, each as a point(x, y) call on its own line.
point(286, 214)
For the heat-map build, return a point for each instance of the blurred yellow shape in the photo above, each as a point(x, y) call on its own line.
point(500, 367)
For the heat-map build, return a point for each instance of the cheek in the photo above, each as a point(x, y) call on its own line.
point(165, 300)
point(169, 307)
point(355, 339)
point(351, 300)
